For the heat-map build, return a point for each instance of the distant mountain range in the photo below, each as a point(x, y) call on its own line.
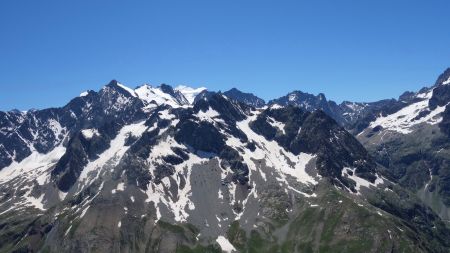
point(163, 169)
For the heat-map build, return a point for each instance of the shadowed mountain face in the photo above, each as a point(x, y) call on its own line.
point(311, 103)
point(157, 169)
point(247, 98)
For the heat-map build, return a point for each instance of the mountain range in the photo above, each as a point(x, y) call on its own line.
point(163, 169)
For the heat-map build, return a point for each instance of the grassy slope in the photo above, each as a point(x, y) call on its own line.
point(338, 224)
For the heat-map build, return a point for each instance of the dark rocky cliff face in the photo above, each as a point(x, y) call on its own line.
point(247, 98)
point(441, 96)
point(311, 103)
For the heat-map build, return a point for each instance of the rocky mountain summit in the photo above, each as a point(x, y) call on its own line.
point(162, 169)
point(247, 98)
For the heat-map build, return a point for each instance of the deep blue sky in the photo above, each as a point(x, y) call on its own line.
point(50, 51)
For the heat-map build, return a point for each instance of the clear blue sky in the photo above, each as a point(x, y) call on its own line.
point(363, 50)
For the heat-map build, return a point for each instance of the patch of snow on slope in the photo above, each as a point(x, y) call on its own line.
point(298, 171)
point(115, 152)
point(68, 230)
point(354, 106)
point(274, 106)
point(446, 82)
point(33, 166)
point(165, 114)
point(431, 179)
point(43, 179)
point(163, 148)
point(208, 115)
point(189, 93)
point(83, 212)
point(35, 202)
point(292, 97)
point(275, 156)
point(225, 244)
point(56, 127)
point(156, 193)
point(355, 109)
point(89, 133)
point(360, 181)
point(121, 186)
point(403, 120)
point(278, 125)
point(62, 195)
point(284, 163)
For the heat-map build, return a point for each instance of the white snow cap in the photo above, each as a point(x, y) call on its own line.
point(148, 93)
point(189, 93)
point(84, 93)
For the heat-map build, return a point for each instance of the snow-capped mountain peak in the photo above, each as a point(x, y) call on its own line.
point(159, 95)
point(150, 94)
point(117, 86)
point(189, 93)
point(163, 94)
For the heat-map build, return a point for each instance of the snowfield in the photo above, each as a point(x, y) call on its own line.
point(405, 119)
